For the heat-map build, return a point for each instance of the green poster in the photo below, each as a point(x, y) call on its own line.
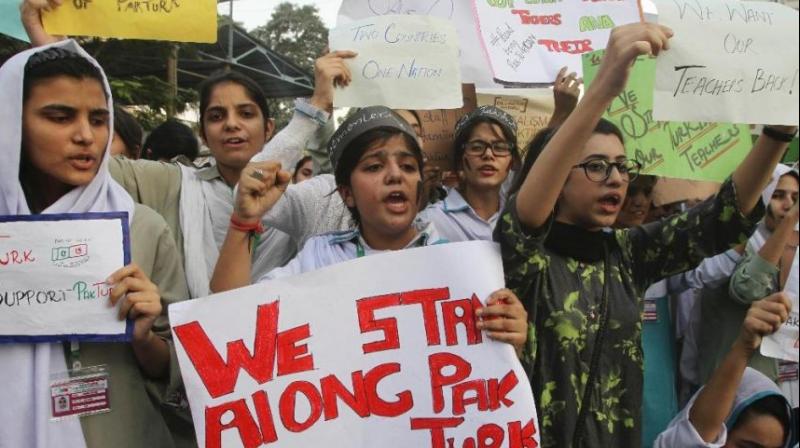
point(686, 150)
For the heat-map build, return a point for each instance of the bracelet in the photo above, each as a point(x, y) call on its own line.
point(254, 228)
point(778, 135)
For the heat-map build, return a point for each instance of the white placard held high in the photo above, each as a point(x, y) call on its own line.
point(729, 61)
point(53, 271)
point(784, 344)
point(403, 62)
point(381, 351)
point(530, 43)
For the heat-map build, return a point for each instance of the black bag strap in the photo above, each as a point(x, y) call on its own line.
point(580, 427)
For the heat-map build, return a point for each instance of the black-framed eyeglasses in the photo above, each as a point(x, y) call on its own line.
point(479, 147)
point(599, 170)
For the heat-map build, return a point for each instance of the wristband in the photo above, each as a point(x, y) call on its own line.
point(254, 228)
point(778, 135)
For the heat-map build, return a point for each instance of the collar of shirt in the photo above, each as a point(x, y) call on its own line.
point(455, 203)
point(426, 235)
point(209, 173)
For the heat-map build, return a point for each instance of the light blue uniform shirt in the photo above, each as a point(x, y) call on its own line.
point(457, 221)
point(336, 247)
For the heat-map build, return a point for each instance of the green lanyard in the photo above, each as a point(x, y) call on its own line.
point(360, 252)
point(75, 354)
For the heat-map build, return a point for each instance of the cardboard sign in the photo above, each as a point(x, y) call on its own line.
point(784, 344)
point(474, 69)
point(174, 20)
point(531, 108)
point(438, 127)
point(530, 43)
point(378, 351)
point(403, 62)
point(53, 271)
point(685, 150)
point(729, 60)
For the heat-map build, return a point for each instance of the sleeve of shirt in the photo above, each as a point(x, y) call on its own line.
point(753, 279)
point(682, 434)
point(288, 145)
point(522, 257)
point(712, 273)
point(301, 208)
point(154, 184)
point(679, 243)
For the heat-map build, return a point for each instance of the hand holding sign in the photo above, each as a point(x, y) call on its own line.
point(627, 43)
point(764, 318)
point(141, 300)
point(330, 71)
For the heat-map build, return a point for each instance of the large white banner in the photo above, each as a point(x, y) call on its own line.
point(53, 271)
point(474, 68)
point(382, 351)
point(729, 61)
point(403, 62)
point(530, 43)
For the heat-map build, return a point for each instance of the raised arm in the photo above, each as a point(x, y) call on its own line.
point(310, 115)
point(541, 189)
point(566, 91)
point(755, 171)
point(715, 400)
point(31, 16)
point(260, 186)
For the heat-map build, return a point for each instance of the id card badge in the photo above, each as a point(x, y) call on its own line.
point(80, 392)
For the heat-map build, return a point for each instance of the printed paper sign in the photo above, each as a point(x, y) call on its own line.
point(531, 108)
point(438, 127)
point(53, 271)
point(381, 351)
point(474, 68)
point(733, 61)
point(403, 62)
point(10, 21)
point(174, 20)
point(784, 344)
point(530, 43)
point(685, 150)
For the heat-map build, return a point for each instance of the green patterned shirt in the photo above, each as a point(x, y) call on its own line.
point(563, 296)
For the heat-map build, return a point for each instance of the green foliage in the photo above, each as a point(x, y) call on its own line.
point(298, 33)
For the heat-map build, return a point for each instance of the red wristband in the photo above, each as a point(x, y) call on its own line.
point(255, 227)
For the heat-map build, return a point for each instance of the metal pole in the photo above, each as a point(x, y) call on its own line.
point(172, 79)
point(230, 32)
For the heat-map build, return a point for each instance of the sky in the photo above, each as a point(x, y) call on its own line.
point(255, 13)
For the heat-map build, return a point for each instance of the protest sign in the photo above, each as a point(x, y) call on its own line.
point(180, 21)
point(784, 344)
point(686, 150)
point(438, 126)
point(10, 21)
point(531, 108)
point(732, 61)
point(474, 69)
point(403, 62)
point(530, 43)
point(53, 271)
point(380, 351)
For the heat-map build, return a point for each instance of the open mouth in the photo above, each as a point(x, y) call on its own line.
point(235, 141)
point(83, 161)
point(397, 201)
point(487, 170)
point(611, 202)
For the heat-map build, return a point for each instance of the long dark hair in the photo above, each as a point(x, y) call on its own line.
point(540, 141)
point(252, 89)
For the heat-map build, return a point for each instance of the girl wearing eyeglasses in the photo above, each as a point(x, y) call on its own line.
point(485, 152)
point(582, 283)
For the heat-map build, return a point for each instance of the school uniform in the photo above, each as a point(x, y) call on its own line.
point(337, 247)
point(456, 220)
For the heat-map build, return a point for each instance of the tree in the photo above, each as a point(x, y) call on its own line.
point(298, 33)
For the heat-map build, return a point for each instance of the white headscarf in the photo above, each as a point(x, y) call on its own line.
point(25, 395)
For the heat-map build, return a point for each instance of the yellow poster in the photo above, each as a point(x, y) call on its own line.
point(173, 20)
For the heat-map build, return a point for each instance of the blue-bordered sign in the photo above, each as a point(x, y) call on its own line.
point(53, 271)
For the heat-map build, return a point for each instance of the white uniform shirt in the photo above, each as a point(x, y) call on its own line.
point(457, 221)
